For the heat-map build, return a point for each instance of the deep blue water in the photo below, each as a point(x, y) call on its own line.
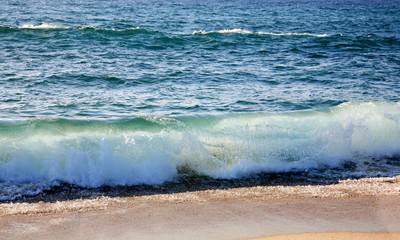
point(129, 92)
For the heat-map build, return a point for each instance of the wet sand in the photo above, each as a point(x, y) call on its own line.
point(364, 206)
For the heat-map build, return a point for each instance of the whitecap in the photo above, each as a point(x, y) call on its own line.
point(42, 26)
point(244, 31)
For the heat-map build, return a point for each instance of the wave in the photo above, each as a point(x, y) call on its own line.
point(386, 40)
point(110, 29)
point(49, 26)
point(42, 26)
point(358, 40)
point(242, 31)
point(153, 150)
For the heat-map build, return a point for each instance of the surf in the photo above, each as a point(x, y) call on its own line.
point(152, 150)
point(247, 32)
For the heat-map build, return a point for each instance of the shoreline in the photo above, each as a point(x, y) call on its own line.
point(286, 181)
point(364, 205)
point(374, 187)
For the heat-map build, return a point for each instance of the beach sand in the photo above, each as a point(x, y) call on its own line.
point(348, 209)
point(336, 236)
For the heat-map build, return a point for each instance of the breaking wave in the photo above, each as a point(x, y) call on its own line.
point(242, 31)
point(50, 26)
point(153, 150)
point(42, 26)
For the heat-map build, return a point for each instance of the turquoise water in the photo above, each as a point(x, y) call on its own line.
point(97, 93)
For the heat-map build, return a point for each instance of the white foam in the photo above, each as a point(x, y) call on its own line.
point(228, 147)
point(108, 29)
point(87, 161)
point(293, 34)
point(42, 26)
point(54, 26)
point(243, 31)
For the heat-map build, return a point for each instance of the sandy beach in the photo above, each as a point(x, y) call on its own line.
point(336, 236)
point(349, 209)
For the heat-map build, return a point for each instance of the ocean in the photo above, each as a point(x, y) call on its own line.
point(101, 93)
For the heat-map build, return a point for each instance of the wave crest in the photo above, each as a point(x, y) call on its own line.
point(50, 26)
point(243, 31)
point(152, 150)
point(42, 26)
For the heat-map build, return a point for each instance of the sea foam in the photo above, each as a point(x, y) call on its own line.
point(154, 150)
point(243, 31)
point(42, 26)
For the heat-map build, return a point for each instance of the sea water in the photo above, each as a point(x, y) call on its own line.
point(109, 93)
